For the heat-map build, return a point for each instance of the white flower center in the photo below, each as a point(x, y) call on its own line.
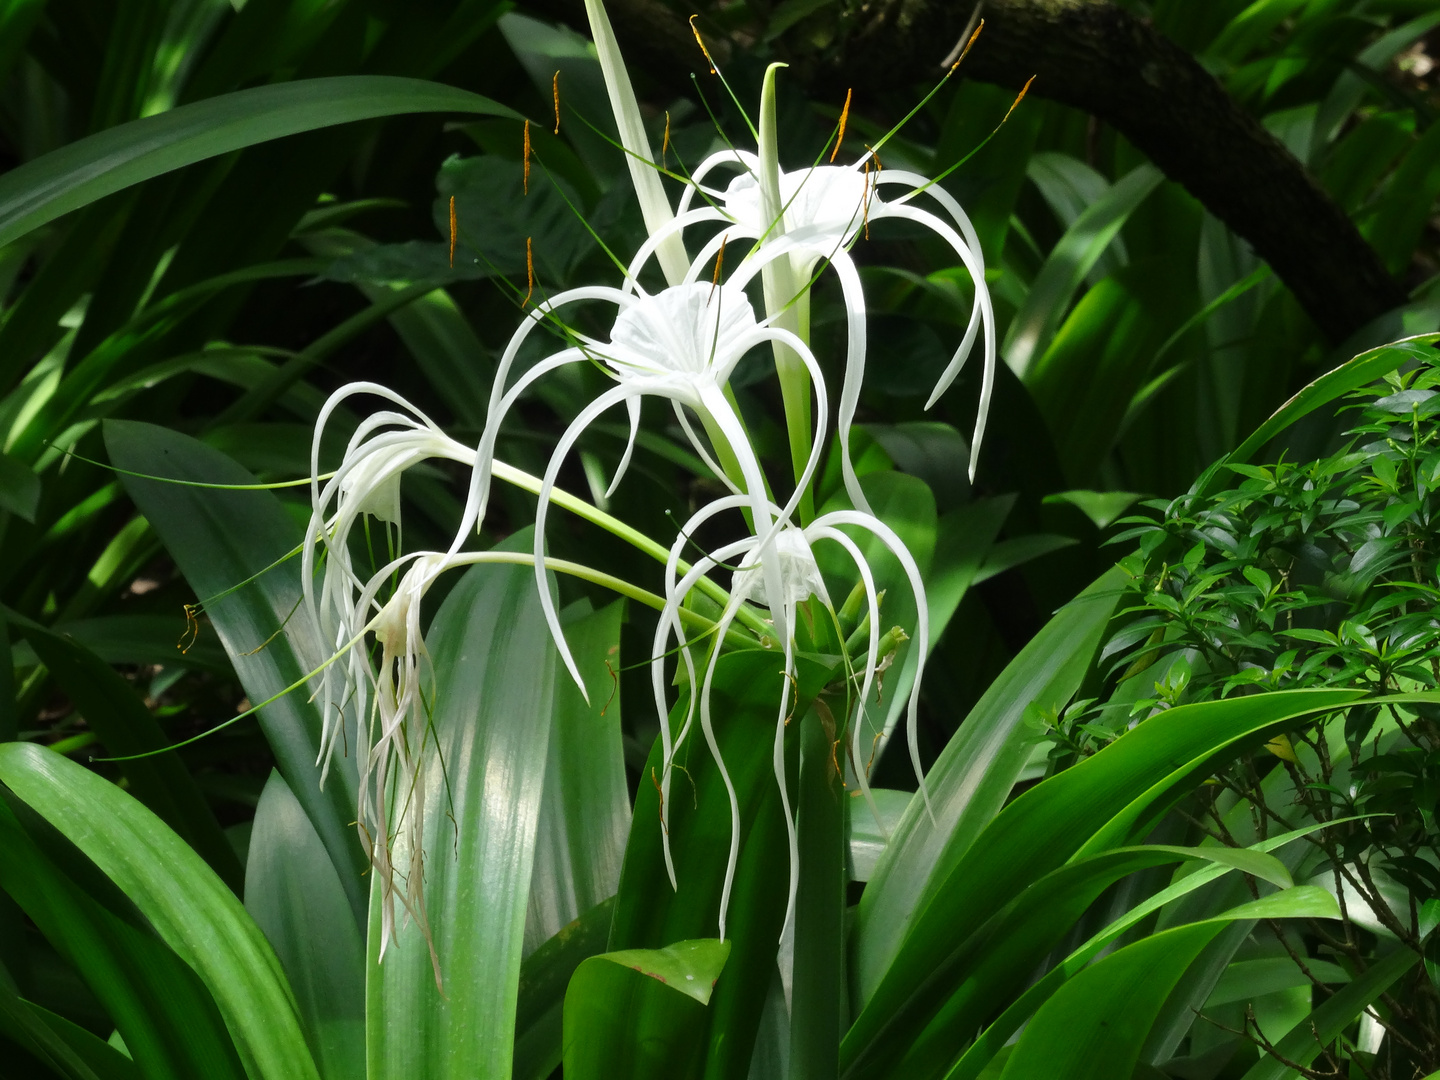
point(687, 330)
point(799, 573)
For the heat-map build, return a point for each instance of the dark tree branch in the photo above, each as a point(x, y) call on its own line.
point(1096, 57)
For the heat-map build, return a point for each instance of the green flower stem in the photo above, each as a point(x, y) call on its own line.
point(787, 305)
point(588, 512)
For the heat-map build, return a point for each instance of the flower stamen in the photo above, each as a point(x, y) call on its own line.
point(525, 157)
point(529, 272)
point(701, 42)
point(844, 116)
point(555, 90)
point(452, 232)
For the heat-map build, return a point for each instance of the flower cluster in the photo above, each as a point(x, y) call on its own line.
point(681, 343)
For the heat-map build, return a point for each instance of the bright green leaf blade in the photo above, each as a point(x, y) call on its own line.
point(585, 812)
point(1351, 375)
point(126, 726)
point(990, 1043)
point(1335, 1014)
point(35, 1030)
point(1095, 1027)
point(109, 161)
point(1074, 256)
point(164, 1012)
point(494, 665)
point(639, 1013)
point(928, 1030)
point(19, 488)
point(1101, 803)
point(972, 778)
point(544, 975)
point(691, 967)
point(190, 908)
point(295, 897)
point(220, 539)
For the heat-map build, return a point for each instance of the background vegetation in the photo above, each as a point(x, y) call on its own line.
point(294, 237)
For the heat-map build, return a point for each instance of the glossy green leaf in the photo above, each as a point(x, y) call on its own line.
point(544, 975)
point(70, 1051)
point(1334, 1015)
point(294, 895)
point(817, 983)
point(1096, 1025)
point(1102, 803)
point(125, 726)
point(928, 1030)
point(90, 168)
point(585, 811)
point(1065, 269)
point(19, 488)
point(164, 1012)
point(1351, 375)
point(221, 539)
point(979, 1057)
point(690, 967)
point(491, 723)
point(190, 908)
point(972, 779)
point(649, 914)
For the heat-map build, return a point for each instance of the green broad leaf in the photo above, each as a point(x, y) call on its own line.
point(125, 726)
point(1245, 980)
point(1065, 269)
point(191, 909)
point(869, 835)
point(133, 639)
point(973, 777)
point(993, 964)
point(1104, 802)
point(1405, 208)
point(490, 725)
point(984, 1051)
point(1351, 375)
point(544, 975)
point(69, 1051)
point(1008, 554)
point(1101, 507)
point(585, 811)
point(1349, 89)
point(19, 488)
point(817, 999)
point(294, 895)
point(634, 1012)
point(690, 967)
point(221, 540)
point(649, 914)
point(157, 1003)
point(1334, 1015)
point(1097, 1024)
point(91, 168)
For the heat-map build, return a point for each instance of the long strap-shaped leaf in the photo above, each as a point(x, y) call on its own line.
point(490, 726)
point(1095, 1027)
point(76, 175)
point(973, 777)
point(220, 539)
point(167, 1018)
point(190, 908)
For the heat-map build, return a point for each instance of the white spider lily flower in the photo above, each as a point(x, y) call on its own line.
point(777, 569)
point(681, 344)
point(654, 204)
point(825, 209)
point(367, 483)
